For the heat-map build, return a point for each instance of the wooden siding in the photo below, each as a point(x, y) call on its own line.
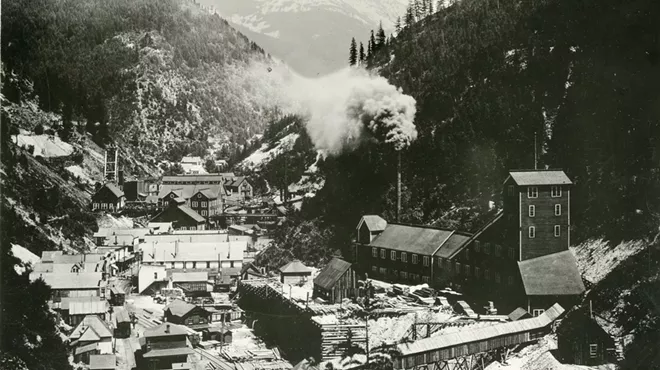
point(544, 220)
point(344, 288)
point(367, 262)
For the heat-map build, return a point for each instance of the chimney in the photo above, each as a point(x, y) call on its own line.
point(398, 187)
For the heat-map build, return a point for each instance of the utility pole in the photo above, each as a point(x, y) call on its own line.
point(536, 165)
point(398, 187)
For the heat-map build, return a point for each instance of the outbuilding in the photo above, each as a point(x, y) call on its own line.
point(582, 341)
point(295, 273)
point(336, 281)
point(108, 198)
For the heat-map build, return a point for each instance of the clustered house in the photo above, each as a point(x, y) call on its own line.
point(164, 345)
point(521, 254)
point(92, 336)
point(108, 198)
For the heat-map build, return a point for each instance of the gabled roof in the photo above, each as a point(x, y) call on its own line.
point(209, 193)
point(167, 252)
point(234, 181)
point(186, 191)
point(99, 326)
point(414, 239)
point(332, 273)
point(498, 216)
point(184, 209)
point(295, 267)
point(553, 274)
point(60, 281)
point(539, 177)
point(121, 315)
point(160, 330)
point(179, 307)
point(102, 362)
point(113, 189)
point(86, 348)
point(89, 335)
point(178, 277)
point(374, 223)
point(453, 244)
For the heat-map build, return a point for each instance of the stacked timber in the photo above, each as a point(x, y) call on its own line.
point(337, 338)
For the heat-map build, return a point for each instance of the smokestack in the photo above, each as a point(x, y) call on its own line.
point(398, 187)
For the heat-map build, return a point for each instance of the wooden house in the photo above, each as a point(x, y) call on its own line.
point(122, 322)
point(295, 273)
point(190, 315)
point(238, 187)
point(182, 217)
point(207, 201)
point(164, 345)
point(103, 362)
point(336, 281)
point(582, 341)
point(108, 198)
point(91, 335)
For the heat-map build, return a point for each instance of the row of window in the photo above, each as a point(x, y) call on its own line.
point(466, 269)
point(404, 256)
point(531, 233)
point(195, 265)
point(532, 210)
point(204, 204)
point(486, 248)
point(103, 206)
point(533, 191)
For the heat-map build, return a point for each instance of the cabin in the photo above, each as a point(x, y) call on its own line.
point(122, 321)
point(108, 198)
point(102, 362)
point(192, 283)
point(190, 315)
point(182, 217)
point(336, 281)
point(294, 273)
point(582, 341)
point(164, 346)
point(92, 335)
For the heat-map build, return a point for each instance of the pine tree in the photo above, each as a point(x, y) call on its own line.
point(397, 25)
point(423, 9)
point(410, 16)
point(374, 45)
point(431, 7)
point(361, 55)
point(370, 49)
point(380, 36)
point(417, 7)
point(352, 57)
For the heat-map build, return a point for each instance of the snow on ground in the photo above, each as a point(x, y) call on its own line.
point(300, 292)
point(25, 256)
point(265, 154)
point(44, 145)
point(80, 173)
point(109, 221)
point(596, 258)
point(388, 330)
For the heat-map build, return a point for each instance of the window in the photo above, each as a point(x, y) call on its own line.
point(537, 311)
point(382, 270)
point(512, 253)
point(487, 274)
point(374, 252)
point(194, 265)
point(498, 250)
point(467, 253)
point(532, 192)
point(448, 266)
point(194, 204)
point(532, 232)
point(467, 270)
point(204, 204)
point(477, 245)
point(510, 189)
point(404, 257)
point(205, 212)
point(458, 268)
point(557, 209)
point(440, 262)
point(395, 273)
point(425, 260)
point(425, 279)
point(532, 211)
point(404, 274)
point(231, 263)
point(510, 280)
point(374, 268)
point(208, 265)
point(486, 248)
point(382, 253)
point(393, 255)
point(593, 350)
point(414, 259)
point(155, 276)
point(555, 191)
point(557, 230)
point(497, 278)
point(477, 272)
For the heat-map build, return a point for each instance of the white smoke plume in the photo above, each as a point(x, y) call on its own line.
point(346, 108)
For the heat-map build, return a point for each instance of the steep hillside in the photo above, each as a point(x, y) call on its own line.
point(311, 36)
point(158, 77)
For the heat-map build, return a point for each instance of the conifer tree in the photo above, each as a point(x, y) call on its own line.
point(352, 57)
point(380, 36)
point(431, 7)
point(417, 7)
point(361, 55)
point(372, 40)
point(397, 25)
point(370, 49)
point(410, 16)
point(423, 9)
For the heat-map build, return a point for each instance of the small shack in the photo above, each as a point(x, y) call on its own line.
point(192, 283)
point(519, 314)
point(221, 334)
point(117, 296)
point(295, 273)
point(582, 341)
point(184, 313)
point(336, 281)
point(122, 323)
point(102, 362)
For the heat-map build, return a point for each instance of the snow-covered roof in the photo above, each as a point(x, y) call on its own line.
point(553, 274)
point(539, 177)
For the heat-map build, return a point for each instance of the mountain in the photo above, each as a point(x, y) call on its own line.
point(311, 36)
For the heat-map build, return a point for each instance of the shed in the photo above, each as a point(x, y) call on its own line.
point(102, 362)
point(518, 314)
point(582, 341)
point(336, 281)
point(221, 334)
point(294, 273)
